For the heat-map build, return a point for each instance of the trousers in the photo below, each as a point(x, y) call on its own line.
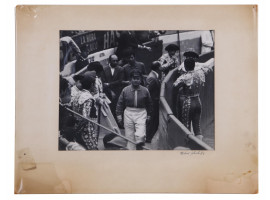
point(152, 127)
point(135, 125)
point(190, 111)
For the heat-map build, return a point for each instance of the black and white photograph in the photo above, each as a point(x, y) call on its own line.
point(136, 90)
point(144, 99)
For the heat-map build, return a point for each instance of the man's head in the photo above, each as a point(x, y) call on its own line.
point(191, 54)
point(77, 79)
point(189, 64)
point(113, 60)
point(95, 66)
point(136, 78)
point(88, 81)
point(155, 66)
point(172, 48)
point(65, 91)
point(129, 55)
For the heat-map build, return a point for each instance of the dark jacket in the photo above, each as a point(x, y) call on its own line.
point(153, 85)
point(115, 80)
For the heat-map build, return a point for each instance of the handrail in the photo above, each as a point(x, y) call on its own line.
point(169, 112)
point(190, 136)
point(114, 132)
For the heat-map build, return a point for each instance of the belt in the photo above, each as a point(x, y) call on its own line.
point(190, 96)
point(134, 109)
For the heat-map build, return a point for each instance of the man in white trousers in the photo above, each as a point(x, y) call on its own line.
point(135, 105)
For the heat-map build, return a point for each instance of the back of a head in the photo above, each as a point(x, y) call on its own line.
point(189, 64)
point(155, 66)
point(95, 66)
point(87, 82)
point(63, 84)
point(78, 77)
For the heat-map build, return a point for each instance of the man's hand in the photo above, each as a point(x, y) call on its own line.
point(120, 121)
point(148, 119)
point(100, 101)
point(148, 48)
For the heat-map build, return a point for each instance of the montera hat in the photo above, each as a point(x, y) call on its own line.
point(172, 47)
point(191, 54)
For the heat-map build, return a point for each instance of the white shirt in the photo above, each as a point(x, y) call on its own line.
point(155, 73)
point(112, 69)
point(209, 63)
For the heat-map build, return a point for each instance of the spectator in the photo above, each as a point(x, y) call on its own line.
point(153, 85)
point(98, 69)
point(207, 42)
point(67, 45)
point(131, 65)
point(169, 60)
point(127, 40)
point(76, 88)
point(112, 78)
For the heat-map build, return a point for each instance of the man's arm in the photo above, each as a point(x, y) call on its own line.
point(150, 82)
point(178, 82)
point(207, 66)
point(71, 42)
point(119, 80)
point(120, 104)
point(149, 103)
point(164, 65)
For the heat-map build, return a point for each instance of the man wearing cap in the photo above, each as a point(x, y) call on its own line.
point(135, 105)
point(194, 56)
point(182, 70)
point(169, 60)
point(153, 85)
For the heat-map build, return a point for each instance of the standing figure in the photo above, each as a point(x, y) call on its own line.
point(112, 78)
point(153, 85)
point(128, 40)
point(98, 69)
point(130, 66)
point(85, 104)
point(76, 88)
point(136, 105)
point(67, 45)
point(189, 98)
point(207, 41)
point(169, 60)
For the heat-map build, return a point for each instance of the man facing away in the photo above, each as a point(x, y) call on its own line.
point(153, 85)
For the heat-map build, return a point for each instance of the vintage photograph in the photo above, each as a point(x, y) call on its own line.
point(136, 90)
point(128, 99)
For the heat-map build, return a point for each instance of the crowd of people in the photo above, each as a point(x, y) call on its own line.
point(123, 87)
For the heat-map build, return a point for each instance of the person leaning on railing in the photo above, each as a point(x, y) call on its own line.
point(169, 61)
point(189, 98)
point(85, 104)
point(67, 136)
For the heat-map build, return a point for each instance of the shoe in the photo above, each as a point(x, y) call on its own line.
point(148, 141)
point(139, 146)
point(200, 137)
